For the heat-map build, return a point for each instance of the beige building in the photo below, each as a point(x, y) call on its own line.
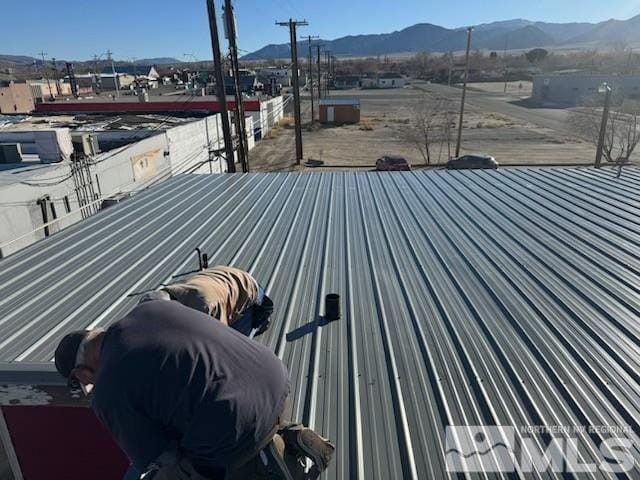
point(43, 90)
point(16, 98)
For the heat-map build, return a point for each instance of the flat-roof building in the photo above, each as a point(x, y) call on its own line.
point(96, 159)
point(573, 89)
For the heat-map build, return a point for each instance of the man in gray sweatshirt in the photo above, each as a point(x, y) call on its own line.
point(187, 397)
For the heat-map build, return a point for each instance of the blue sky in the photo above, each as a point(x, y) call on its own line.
point(144, 28)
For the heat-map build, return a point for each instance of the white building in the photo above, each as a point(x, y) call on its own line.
point(282, 75)
point(573, 89)
point(383, 80)
point(37, 200)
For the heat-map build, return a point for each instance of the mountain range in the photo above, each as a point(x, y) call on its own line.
point(24, 61)
point(510, 34)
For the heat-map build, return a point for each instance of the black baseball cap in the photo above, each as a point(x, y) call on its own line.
point(67, 351)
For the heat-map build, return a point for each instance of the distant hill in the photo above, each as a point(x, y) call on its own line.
point(513, 34)
point(18, 60)
point(24, 61)
point(627, 31)
point(158, 61)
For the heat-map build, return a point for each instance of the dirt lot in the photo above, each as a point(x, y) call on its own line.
point(522, 89)
point(386, 116)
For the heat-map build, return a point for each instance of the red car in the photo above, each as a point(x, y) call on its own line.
point(392, 163)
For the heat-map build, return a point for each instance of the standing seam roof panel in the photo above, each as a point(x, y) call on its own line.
point(504, 297)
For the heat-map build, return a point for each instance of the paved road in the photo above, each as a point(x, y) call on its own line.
point(555, 119)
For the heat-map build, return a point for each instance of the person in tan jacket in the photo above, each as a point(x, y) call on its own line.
point(228, 294)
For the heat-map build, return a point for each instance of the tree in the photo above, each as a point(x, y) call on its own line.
point(536, 55)
point(421, 61)
point(620, 47)
point(429, 121)
point(622, 134)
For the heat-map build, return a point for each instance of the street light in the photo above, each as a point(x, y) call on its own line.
point(606, 89)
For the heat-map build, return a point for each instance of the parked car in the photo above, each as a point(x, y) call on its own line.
point(392, 163)
point(472, 161)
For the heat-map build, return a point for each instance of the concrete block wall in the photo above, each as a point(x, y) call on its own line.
point(188, 146)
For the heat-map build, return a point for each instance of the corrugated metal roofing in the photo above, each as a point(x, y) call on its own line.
point(503, 297)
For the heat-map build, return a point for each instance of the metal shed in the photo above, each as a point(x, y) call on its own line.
point(505, 297)
point(339, 110)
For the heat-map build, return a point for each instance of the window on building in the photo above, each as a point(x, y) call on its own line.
point(67, 205)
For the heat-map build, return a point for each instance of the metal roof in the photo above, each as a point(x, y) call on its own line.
point(504, 297)
point(139, 70)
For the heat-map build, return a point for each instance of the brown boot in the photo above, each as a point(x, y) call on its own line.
point(308, 443)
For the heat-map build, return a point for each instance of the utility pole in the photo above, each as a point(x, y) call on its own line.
point(95, 69)
point(135, 72)
point(98, 76)
point(328, 60)
point(333, 69)
point(293, 24)
point(241, 127)
point(310, 74)
point(630, 61)
point(504, 61)
point(464, 91)
point(450, 67)
point(44, 70)
point(220, 88)
point(603, 125)
point(318, 47)
point(72, 79)
point(116, 79)
point(56, 77)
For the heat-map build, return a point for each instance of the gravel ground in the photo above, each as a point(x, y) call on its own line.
point(385, 115)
